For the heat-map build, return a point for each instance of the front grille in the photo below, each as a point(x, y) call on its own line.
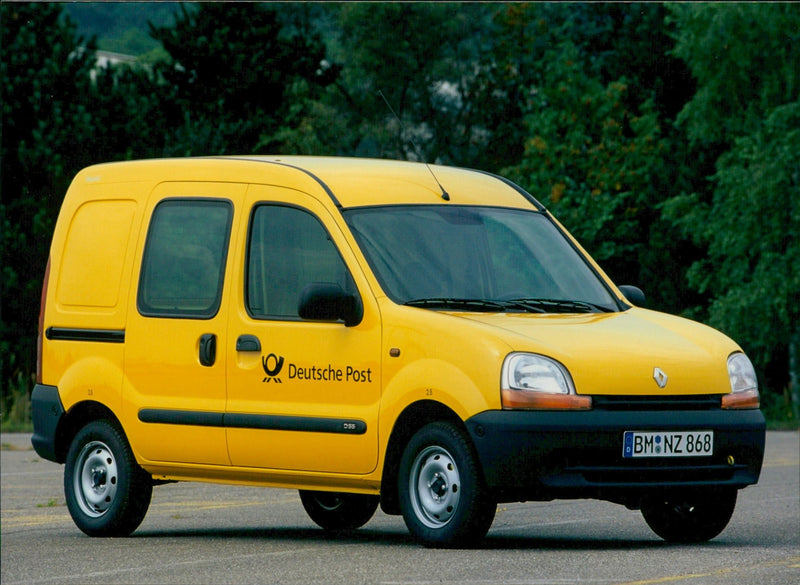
point(691, 402)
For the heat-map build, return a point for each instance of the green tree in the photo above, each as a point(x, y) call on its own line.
point(613, 41)
point(746, 59)
point(754, 240)
point(46, 126)
point(596, 140)
point(597, 164)
point(421, 57)
point(226, 79)
point(223, 89)
point(126, 107)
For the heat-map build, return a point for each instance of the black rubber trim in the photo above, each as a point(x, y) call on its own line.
point(530, 198)
point(308, 424)
point(77, 334)
point(321, 183)
point(46, 412)
point(181, 417)
point(269, 422)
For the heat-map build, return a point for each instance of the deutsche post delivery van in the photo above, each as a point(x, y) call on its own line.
point(370, 332)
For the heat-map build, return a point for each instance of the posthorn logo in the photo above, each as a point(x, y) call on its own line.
point(660, 377)
point(272, 365)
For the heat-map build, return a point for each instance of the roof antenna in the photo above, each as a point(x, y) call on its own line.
point(445, 194)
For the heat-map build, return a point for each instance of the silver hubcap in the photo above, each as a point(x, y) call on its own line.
point(329, 502)
point(95, 479)
point(435, 486)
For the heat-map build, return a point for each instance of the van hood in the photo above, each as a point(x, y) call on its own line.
point(636, 352)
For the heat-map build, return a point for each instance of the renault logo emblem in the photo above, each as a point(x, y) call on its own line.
point(660, 377)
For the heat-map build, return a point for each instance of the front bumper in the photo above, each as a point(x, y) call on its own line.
point(545, 455)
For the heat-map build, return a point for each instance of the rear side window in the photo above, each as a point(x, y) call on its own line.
point(184, 258)
point(288, 249)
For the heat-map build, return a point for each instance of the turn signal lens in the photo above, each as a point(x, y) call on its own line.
point(741, 400)
point(520, 399)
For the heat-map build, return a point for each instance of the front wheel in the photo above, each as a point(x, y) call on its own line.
point(339, 511)
point(688, 517)
point(107, 492)
point(443, 497)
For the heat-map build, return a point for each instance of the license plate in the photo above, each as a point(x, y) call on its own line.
point(668, 444)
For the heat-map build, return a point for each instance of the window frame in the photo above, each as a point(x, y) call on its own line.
point(213, 309)
point(248, 250)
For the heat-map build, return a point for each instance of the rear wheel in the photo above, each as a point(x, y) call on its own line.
point(443, 497)
point(107, 492)
point(339, 511)
point(687, 517)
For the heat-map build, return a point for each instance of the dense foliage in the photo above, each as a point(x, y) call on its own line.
point(665, 137)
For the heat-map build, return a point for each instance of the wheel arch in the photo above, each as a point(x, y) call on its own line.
point(412, 419)
point(75, 419)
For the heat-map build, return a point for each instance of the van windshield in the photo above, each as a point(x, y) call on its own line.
point(476, 259)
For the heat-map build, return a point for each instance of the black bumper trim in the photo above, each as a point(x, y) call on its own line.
point(545, 455)
point(46, 412)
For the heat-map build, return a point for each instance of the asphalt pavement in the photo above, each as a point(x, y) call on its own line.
point(206, 533)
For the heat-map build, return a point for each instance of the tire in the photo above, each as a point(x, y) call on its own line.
point(107, 492)
point(443, 497)
point(690, 517)
point(339, 511)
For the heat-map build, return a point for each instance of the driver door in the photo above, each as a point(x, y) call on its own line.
point(302, 395)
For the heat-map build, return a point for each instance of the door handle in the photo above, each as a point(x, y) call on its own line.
point(248, 343)
point(208, 349)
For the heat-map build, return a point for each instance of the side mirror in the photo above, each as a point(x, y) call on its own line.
point(633, 293)
point(326, 301)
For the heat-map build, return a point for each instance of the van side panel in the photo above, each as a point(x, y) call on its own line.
point(173, 402)
point(92, 254)
point(439, 358)
point(93, 371)
point(85, 309)
point(96, 247)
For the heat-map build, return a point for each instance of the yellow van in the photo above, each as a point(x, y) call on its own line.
point(370, 332)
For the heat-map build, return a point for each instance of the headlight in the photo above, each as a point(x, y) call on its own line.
point(742, 373)
point(744, 385)
point(531, 381)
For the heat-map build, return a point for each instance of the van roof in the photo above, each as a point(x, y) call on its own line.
point(349, 182)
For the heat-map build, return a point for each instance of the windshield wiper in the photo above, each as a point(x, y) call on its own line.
point(528, 305)
point(457, 303)
point(560, 306)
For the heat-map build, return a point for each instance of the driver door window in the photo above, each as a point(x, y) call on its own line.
point(289, 249)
